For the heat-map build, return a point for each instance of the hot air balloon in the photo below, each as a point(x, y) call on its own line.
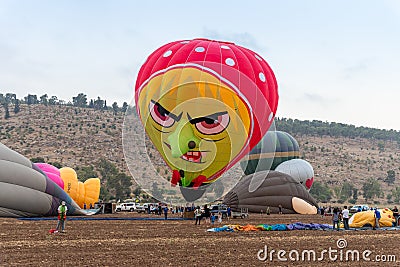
point(367, 218)
point(82, 193)
point(92, 191)
point(276, 189)
point(25, 191)
point(52, 172)
point(204, 104)
point(70, 178)
point(273, 149)
point(300, 170)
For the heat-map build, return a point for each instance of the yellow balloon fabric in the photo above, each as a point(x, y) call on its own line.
point(92, 191)
point(367, 217)
point(68, 175)
point(81, 194)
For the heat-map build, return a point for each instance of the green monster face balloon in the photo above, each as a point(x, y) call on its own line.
point(204, 104)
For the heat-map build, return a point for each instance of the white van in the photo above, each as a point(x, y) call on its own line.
point(130, 206)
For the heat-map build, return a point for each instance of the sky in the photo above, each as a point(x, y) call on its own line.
point(335, 61)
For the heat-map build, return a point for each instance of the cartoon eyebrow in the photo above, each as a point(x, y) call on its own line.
point(211, 118)
point(165, 111)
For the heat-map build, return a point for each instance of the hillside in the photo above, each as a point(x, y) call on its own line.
point(68, 135)
point(77, 137)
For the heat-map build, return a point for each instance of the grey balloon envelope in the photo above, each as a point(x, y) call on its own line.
point(276, 189)
point(25, 191)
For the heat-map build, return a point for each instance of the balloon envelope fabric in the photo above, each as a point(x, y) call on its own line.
point(273, 227)
point(25, 191)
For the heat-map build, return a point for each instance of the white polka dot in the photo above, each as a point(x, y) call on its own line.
point(258, 57)
point(185, 42)
point(261, 76)
point(199, 49)
point(270, 116)
point(230, 62)
point(225, 47)
point(167, 54)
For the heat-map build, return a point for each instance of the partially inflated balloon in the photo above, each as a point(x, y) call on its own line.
point(83, 193)
point(70, 179)
point(367, 218)
point(92, 191)
point(276, 189)
point(26, 192)
point(52, 172)
point(204, 104)
point(273, 149)
point(300, 170)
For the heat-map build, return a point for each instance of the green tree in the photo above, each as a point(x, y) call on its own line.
point(85, 172)
point(116, 184)
point(391, 177)
point(157, 193)
point(91, 104)
point(355, 194)
point(31, 99)
point(106, 168)
point(115, 108)
point(55, 164)
point(98, 104)
point(80, 100)
point(53, 100)
point(16, 106)
point(137, 191)
point(10, 98)
point(344, 191)
point(37, 160)
point(7, 112)
point(120, 185)
point(396, 194)
point(321, 192)
point(371, 189)
point(44, 100)
point(381, 146)
point(124, 107)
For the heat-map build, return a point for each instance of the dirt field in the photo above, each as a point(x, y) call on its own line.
point(181, 243)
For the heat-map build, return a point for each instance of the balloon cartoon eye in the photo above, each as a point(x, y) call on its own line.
point(160, 115)
point(212, 124)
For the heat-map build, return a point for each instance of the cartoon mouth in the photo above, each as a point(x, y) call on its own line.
point(191, 156)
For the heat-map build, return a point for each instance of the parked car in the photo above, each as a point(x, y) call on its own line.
point(130, 206)
point(215, 209)
point(140, 209)
point(358, 208)
point(242, 213)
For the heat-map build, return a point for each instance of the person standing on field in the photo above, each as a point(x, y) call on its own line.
point(345, 214)
point(62, 217)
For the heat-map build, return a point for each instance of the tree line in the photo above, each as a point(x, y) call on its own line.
point(334, 129)
point(10, 101)
point(346, 192)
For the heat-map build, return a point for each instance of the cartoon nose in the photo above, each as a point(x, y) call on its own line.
point(191, 144)
point(182, 139)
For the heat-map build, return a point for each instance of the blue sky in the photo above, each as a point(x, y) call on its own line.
point(334, 60)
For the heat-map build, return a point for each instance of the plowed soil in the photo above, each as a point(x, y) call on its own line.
point(181, 243)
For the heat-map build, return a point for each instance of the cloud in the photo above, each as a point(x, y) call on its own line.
point(318, 99)
point(355, 69)
point(243, 38)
